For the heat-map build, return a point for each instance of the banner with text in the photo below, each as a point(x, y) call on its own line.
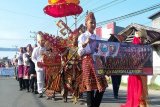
point(122, 58)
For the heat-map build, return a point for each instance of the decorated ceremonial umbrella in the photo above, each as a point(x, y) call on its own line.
point(58, 9)
point(62, 8)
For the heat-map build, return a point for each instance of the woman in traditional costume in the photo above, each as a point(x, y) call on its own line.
point(26, 58)
point(137, 85)
point(20, 68)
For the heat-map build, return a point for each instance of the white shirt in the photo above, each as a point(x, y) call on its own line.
point(26, 59)
point(37, 56)
point(20, 58)
point(81, 39)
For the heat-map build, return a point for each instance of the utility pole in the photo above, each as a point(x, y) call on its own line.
point(16, 47)
point(34, 36)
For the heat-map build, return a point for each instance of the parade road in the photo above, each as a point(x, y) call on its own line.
point(10, 96)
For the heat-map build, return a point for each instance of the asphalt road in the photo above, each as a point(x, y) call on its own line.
point(10, 96)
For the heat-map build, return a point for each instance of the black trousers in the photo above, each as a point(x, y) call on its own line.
point(116, 81)
point(24, 85)
point(33, 83)
point(26, 81)
point(94, 99)
point(20, 83)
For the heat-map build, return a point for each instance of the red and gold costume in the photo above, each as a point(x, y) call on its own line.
point(72, 69)
point(52, 72)
point(91, 80)
point(52, 65)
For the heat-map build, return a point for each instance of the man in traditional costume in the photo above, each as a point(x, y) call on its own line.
point(91, 81)
point(37, 59)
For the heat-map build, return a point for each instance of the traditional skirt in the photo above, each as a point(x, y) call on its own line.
point(52, 66)
point(26, 72)
point(53, 80)
point(135, 96)
point(72, 77)
point(20, 71)
point(91, 80)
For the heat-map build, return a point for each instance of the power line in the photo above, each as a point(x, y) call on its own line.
point(130, 15)
point(83, 15)
point(34, 36)
point(109, 5)
point(80, 19)
point(104, 5)
point(99, 8)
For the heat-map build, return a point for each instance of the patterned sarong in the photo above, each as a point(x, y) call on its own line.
point(91, 80)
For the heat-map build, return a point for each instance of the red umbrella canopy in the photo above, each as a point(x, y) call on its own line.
point(62, 8)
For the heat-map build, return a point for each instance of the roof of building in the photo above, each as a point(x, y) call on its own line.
point(154, 15)
point(151, 34)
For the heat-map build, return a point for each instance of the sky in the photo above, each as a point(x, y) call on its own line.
point(19, 19)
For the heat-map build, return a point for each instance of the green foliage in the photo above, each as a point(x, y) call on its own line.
point(154, 86)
